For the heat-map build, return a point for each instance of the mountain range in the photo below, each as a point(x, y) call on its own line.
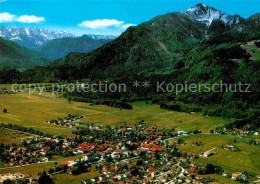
point(46, 43)
point(155, 46)
point(29, 37)
point(58, 48)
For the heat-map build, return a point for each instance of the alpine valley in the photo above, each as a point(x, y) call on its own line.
point(201, 44)
point(147, 133)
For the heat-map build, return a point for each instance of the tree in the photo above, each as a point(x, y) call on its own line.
point(5, 110)
point(45, 179)
point(210, 169)
point(51, 170)
point(8, 181)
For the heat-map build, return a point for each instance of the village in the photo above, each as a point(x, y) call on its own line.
point(126, 154)
point(71, 121)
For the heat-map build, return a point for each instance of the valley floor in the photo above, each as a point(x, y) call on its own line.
point(33, 111)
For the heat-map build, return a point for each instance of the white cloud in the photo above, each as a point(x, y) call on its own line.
point(100, 23)
point(2, 1)
point(30, 19)
point(104, 23)
point(128, 25)
point(7, 17)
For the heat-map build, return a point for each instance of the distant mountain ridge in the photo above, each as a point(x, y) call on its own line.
point(31, 38)
point(53, 44)
point(58, 48)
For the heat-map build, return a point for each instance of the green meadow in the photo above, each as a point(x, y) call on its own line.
point(33, 111)
point(247, 159)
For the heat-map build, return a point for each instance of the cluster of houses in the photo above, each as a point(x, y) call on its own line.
point(238, 176)
point(71, 121)
point(14, 177)
point(221, 129)
point(125, 154)
point(167, 170)
point(18, 155)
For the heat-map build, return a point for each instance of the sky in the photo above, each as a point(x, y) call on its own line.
point(106, 17)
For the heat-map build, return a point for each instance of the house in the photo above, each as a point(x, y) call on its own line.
point(45, 159)
point(239, 131)
point(207, 154)
point(235, 175)
point(145, 146)
point(240, 175)
point(230, 147)
point(156, 148)
point(182, 132)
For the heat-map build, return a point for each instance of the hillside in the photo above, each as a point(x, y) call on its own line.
point(59, 48)
point(154, 47)
point(15, 56)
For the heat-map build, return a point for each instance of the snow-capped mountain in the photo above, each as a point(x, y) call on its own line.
point(206, 15)
point(31, 37)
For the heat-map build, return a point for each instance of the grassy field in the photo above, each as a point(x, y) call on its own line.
point(66, 178)
point(222, 179)
point(33, 110)
point(33, 170)
point(9, 136)
point(245, 160)
point(253, 50)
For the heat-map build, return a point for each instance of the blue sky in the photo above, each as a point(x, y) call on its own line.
point(104, 16)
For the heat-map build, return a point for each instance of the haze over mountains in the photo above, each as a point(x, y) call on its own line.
point(46, 43)
point(58, 48)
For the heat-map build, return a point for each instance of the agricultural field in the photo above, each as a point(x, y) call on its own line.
point(222, 179)
point(232, 161)
point(10, 136)
point(66, 178)
point(33, 111)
